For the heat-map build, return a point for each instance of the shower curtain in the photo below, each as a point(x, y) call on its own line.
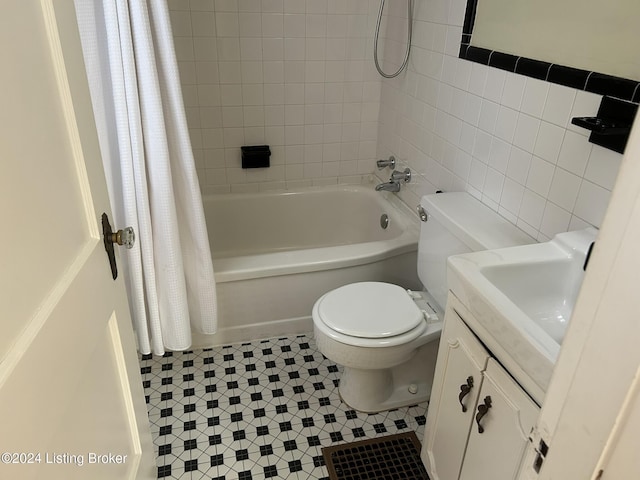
point(150, 170)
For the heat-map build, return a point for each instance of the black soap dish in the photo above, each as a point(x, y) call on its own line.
point(612, 125)
point(256, 156)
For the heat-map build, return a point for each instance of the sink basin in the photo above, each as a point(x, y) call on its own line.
point(545, 291)
point(522, 299)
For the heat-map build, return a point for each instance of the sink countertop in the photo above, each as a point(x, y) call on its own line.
point(521, 299)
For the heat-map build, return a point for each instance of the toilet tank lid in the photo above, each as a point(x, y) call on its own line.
point(475, 224)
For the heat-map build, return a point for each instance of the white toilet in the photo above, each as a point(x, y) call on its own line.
point(386, 337)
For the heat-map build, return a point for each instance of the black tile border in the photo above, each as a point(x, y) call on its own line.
point(586, 80)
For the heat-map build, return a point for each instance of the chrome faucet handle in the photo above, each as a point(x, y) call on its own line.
point(391, 163)
point(404, 176)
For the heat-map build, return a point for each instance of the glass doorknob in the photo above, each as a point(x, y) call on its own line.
point(125, 237)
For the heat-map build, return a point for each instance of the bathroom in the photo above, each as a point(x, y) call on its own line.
point(299, 76)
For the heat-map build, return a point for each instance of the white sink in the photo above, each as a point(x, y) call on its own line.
point(545, 291)
point(522, 298)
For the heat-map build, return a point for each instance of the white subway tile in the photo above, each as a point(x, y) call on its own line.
point(534, 98)
point(488, 116)
point(293, 72)
point(275, 6)
point(228, 49)
point(574, 153)
point(532, 209)
point(250, 24)
point(603, 166)
point(499, 155)
point(513, 91)
point(549, 142)
point(478, 79)
point(226, 6)
point(554, 220)
point(205, 49)
point(495, 84)
point(243, 5)
point(467, 137)
point(253, 116)
point(227, 24)
point(274, 94)
point(526, 132)
point(482, 146)
point(540, 176)
point(493, 185)
point(272, 49)
point(294, 25)
point(559, 104)
point(472, 109)
point(272, 25)
point(233, 137)
point(294, 94)
point(252, 72)
point(232, 117)
point(181, 25)
point(294, 6)
point(512, 194)
point(463, 74)
point(519, 163)
point(316, 25)
point(564, 189)
point(506, 123)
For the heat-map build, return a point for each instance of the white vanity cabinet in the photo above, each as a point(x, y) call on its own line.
point(479, 418)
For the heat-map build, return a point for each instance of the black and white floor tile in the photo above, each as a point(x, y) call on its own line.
point(254, 411)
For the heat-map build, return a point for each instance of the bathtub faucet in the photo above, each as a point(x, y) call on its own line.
point(396, 180)
point(389, 186)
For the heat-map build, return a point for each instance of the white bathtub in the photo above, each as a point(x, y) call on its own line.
point(276, 253)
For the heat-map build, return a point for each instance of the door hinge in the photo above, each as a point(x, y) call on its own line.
point(541, 452)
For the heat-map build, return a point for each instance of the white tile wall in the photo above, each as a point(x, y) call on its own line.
point(505, 138)
point(298, 75)
point(294, 74)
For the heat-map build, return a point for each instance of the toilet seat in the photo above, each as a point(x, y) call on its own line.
point(372, 314)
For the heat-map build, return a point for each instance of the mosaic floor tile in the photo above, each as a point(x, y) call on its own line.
point(255, 411)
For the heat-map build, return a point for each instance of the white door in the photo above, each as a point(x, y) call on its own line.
point(71, 399)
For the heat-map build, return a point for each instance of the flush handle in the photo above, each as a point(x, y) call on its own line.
point(465, 388)
point(482, 411)
point(125, 237)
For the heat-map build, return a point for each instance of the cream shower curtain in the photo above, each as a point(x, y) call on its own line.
point(137, 100)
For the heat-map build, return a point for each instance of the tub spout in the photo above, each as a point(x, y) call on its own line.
point(390, 186)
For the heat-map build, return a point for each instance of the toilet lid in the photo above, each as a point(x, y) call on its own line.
point(369, 310)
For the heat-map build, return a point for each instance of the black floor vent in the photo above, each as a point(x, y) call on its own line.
point(393, 457)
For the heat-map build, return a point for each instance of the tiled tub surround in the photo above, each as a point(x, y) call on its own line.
point(294, 74)
point(505, 138)
point(257, 410)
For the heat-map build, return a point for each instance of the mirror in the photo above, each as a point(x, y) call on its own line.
point(585, 44)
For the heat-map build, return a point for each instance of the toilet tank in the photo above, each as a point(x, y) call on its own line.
point(458, 223)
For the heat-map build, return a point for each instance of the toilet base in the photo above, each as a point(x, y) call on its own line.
point(372, 391)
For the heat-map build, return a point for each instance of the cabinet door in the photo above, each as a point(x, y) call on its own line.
point(461, 359)
point(496, 453)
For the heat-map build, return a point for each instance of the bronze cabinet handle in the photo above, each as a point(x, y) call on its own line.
point(482, 411)
point(465, 388)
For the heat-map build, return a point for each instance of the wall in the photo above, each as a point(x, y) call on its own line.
point(293, 74)
point(505, 138)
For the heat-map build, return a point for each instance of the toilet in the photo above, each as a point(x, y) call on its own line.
point(386, 337)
